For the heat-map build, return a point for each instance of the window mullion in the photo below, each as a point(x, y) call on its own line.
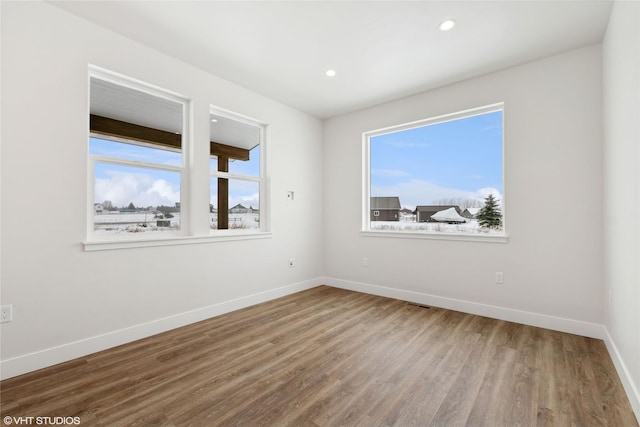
point(135, 163)
point(226, 175)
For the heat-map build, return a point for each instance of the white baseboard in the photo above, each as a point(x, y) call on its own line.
point(65, 352)
point(632, 389)
point(592, 330)
point(52, 356)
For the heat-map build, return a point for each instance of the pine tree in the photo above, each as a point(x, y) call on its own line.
point(490, 215)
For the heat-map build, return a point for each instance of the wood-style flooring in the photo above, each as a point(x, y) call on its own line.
point(331, 357)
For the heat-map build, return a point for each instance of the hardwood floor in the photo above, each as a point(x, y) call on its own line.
point(330, 357)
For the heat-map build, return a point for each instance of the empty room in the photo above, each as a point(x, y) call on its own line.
point(320, 213)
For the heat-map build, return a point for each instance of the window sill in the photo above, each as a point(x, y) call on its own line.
point(490, 238)
point(104, 245)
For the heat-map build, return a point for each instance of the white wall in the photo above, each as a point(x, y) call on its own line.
point(68, 302)
point(553, 197)
point(621, 72)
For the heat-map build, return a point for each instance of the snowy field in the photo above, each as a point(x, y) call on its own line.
point(144, 223)
point(409, 225)
point(140, 222)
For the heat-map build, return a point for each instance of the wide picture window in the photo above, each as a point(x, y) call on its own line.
point(136, 158)
point(437, 177)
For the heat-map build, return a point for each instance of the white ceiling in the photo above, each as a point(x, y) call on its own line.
point(126, 104)
point(381, 50)
point(133, 106)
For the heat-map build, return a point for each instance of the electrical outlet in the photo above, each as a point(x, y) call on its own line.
point(6, 313)
point(365, 262)
point(292, 262)
point(499, 277)
point(290, 196)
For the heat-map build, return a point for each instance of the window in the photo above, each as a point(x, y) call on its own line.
point(136, 157)
point(438, 177)
point(142, 188)
point(237, 170)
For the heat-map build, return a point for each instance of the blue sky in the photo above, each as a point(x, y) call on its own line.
point(455, 159)
point(148, 187)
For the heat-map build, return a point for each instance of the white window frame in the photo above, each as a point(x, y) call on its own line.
point(262, 179)
point(183, 169)
point(186, 234)
point(366, 230)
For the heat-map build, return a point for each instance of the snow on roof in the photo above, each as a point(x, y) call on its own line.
point(448, 215)
point(473, 211)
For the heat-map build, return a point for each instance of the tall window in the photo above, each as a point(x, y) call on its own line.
point(237, 171)
point(442, 175)
point(136, 157)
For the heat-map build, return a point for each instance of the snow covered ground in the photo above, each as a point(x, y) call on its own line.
point(409, 225)
point(144, 223)
point(140, 222)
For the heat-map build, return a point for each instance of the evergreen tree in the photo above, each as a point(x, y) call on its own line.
point(490, 215)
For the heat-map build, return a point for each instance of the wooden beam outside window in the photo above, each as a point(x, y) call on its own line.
point(117, 128)
point(223, 194)
point(222, 150)
point(111, 127)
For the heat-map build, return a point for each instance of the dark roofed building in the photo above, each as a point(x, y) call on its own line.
point(238, 209)
point(470, 212)
point(385, 209)
point(424, 212)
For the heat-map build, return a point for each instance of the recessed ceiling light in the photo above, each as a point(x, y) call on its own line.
point(447, 25)
point(214, 120)
point(330, 73)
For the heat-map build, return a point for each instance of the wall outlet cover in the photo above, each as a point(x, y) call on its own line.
point(6, 313)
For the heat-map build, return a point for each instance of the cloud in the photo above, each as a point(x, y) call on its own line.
point(483, 193)
point(162, 190)
point(245, 192)
point(492, 127)
point(141, 189)
point(419, 192)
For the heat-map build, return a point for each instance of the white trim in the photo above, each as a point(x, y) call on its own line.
point(262, 179)
point(134, 163)
point(155, 240)
point(366, 183)
point(632, 390)
point(51, 356)
point(185, 170)
point(135, 84)
point(578, 327)
point(491, 238)
point(491, 108)
point(366, 179)
point(232, 115)
point(227, 175)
